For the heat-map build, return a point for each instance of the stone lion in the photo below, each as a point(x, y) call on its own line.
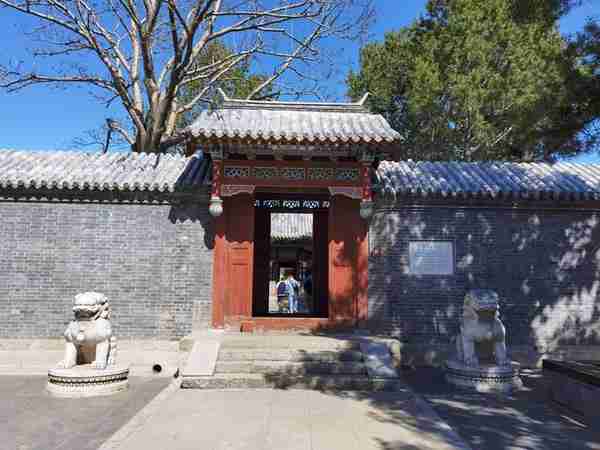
point(89, 337)
point(481, 324)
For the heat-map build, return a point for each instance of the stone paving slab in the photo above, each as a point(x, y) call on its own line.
point(526, 419)
point(287, 420)
point(30, 419)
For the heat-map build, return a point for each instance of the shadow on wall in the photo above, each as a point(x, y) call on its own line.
point(544, 262)
point(194, 183)
point(573, 315)
point(197, 213)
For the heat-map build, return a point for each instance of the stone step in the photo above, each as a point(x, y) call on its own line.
point(266, 381)
point(292, 355)
point(308, 343)
point(292, 368)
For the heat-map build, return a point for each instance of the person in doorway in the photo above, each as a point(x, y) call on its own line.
point(293, 288)
point(282, 296)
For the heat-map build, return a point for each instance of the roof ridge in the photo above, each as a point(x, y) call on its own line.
point(294, 123)
point(127, 154)
point(44, 151)
point(348, 107)
point(491, 162)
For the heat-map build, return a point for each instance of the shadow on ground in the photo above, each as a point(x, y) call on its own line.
point(32, 419)
point(523, 420)
point(526, 419)
point(406, 411)
point(397, 418)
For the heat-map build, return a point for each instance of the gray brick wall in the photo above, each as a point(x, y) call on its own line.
point(154, 262)
point(544, 264)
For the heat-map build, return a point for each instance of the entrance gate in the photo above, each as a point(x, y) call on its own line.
point(261, 150)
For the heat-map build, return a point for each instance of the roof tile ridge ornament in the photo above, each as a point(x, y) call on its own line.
point(348, 107)
point(363, 100)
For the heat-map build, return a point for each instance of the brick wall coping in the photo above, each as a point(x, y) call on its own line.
point(488, 180)
point(102, 172)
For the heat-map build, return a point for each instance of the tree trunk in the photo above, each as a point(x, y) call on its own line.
point(147, 141)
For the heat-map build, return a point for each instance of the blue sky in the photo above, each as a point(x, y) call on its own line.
point(43, 118)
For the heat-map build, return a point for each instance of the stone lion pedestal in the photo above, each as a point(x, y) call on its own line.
point(481, 362)
point(89, 366)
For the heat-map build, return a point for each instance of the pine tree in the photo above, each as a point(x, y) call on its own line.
point(476, 80)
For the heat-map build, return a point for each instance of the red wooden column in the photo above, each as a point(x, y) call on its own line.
point(220, 249)
point(362, 271)
point(219, 266)
point(362, 243)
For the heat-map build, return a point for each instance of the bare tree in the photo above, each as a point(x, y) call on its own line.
point(142, 52)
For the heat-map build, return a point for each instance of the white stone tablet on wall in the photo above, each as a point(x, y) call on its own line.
point(431, 257)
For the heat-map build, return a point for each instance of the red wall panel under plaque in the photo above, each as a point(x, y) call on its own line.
point(344, 224)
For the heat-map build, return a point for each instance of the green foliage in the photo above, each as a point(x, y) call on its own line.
point(239, 82)
point(475, 80)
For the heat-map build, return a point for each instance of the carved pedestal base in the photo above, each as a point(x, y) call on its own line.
point(84, 381)
point(486, 378)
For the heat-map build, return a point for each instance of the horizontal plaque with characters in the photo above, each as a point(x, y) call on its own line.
point(292, 204)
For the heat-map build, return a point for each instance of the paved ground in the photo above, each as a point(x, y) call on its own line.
point(524, 420)
point(31, 419)
point(285, 420)
point(288, 419)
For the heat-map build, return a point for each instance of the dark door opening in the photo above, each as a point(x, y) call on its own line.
point(290, 257)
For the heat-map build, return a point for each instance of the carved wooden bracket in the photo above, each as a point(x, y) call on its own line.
point(217, 171)
point(366, 183)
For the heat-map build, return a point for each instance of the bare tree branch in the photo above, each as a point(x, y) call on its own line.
point(148, 50)
point(32, 78)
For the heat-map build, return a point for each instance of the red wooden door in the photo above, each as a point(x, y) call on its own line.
point(240, 237)
point(340, 262)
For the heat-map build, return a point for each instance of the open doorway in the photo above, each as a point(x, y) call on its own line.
point(291, 263)
point(290, 258)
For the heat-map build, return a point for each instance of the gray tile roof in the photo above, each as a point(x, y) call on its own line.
point(489, 179)
point(291, 227)
point(98, 171)
point(294, 123)
point(170, 173)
